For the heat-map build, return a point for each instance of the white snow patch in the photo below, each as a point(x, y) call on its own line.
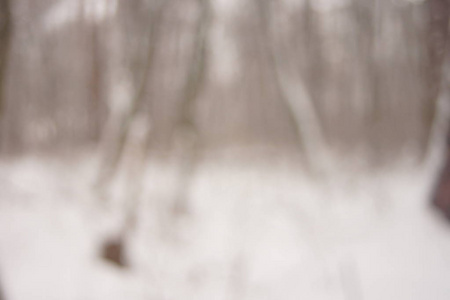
point(255, 231)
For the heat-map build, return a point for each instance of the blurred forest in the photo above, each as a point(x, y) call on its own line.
point(357, 78)
point(157, 92)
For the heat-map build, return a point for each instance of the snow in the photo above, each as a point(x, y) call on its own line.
point(256, 230)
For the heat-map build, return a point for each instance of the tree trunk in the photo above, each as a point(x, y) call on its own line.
point(437, 42)
point(115, 141)
point(185, 128)
point(438, 85)
point(295, 94)
point(5, 44)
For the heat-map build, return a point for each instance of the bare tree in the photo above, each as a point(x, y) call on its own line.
point(96, 82)
point(186, 129)
point(113, 249)
point(438, 40)
point(116, 137)
point(293, 91)
point(5, 44)
point(438, 83)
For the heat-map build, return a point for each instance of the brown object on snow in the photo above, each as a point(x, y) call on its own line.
point(113, 251)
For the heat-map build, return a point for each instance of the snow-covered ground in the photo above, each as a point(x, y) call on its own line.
point(255, 230)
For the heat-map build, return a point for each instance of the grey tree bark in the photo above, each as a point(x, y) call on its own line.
point(115, 140)
point(186, 130)
point(5, 44)
point(438, 42)
point(295, 94)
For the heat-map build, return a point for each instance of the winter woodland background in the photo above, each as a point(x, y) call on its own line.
point(230, 149)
